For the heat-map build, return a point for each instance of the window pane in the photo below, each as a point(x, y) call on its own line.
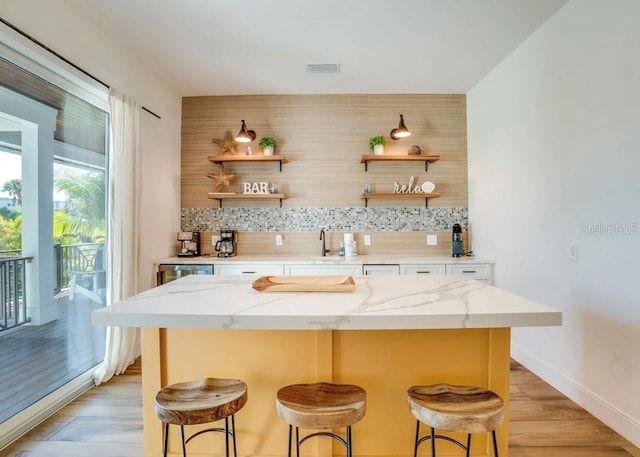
point(39, 355)
point(10, 197)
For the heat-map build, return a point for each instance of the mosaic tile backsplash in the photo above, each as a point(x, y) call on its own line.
point(392, 219)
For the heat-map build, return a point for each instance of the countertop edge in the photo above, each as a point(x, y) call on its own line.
point(309, 259)
point(451, 321)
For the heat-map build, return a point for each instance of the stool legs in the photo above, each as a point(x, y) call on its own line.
point(432, 437)
point(297, 442)
point(233, 435)
point(349, 442)
point(224, 430)
point(346, 442)
point(184, 446)
point(433, 442)
point(226, 437)
point(166, 440)
point(289, 446)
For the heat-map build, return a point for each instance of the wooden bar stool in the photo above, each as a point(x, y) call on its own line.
point(462, 409)
point(321, 406)
point(200, 402)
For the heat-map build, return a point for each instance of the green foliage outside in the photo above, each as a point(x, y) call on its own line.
point(82, 220)
point(14, 188)
point(10, 233)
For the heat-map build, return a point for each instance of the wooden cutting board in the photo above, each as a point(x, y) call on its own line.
point(304, 284)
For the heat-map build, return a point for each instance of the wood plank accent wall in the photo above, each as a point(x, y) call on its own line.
point(323, 138)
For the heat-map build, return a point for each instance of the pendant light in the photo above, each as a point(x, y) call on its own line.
point(245, 135)
point(402, 131)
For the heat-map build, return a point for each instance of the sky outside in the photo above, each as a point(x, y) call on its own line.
point(10, 168)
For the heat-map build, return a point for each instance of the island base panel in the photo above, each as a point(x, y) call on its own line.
point(384, 362)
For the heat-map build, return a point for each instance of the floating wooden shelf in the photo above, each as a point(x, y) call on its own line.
point(395, 196)
point(230, 196)
point(379, 158)
point(258, 158)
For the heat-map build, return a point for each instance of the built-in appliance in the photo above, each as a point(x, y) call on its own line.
point(189, 244)
point(457, 241)
point(227, 245)
point(171, 272)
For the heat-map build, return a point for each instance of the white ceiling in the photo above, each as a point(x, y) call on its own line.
point(221, 47)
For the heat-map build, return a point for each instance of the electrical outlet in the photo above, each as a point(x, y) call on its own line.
point(432, 240)
point(573, 252)
point(278, 240)
point(367, 240)
point(214, 240)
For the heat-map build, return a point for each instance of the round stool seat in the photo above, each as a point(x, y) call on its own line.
point(465, 409)
point(321, 405)
point(199, 402)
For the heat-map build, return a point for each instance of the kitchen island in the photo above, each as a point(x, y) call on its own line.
point(389, 333)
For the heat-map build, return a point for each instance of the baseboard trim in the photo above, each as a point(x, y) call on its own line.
point(21, 423)
point(618, 420)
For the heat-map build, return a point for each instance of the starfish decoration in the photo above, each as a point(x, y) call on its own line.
point(221, 179)
point(227, 145)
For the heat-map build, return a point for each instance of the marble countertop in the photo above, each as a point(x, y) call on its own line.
point(309, 259)
point(378, 302)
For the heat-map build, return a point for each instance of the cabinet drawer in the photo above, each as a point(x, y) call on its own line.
point(323, 270)
point(275, 269)
point(478, 271)
point(433, 269)
point(372, 270)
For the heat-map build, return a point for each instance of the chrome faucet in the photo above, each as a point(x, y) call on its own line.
point(324, 246)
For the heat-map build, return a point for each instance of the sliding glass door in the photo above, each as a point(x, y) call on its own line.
point(53, 157)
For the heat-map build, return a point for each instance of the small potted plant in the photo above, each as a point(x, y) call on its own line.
point(376, 144)
point(267, 144)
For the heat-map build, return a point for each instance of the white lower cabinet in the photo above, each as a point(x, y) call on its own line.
point(323, 270)
point(480, 271)
point(372, 270)
point(430, 269)
point(250, 269)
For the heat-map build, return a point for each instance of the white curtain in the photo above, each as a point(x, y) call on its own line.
point(123, 343)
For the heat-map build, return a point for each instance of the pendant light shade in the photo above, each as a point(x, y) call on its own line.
point(402, 131)
point(245, 135)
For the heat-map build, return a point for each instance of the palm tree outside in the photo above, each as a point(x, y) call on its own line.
point(14, 188)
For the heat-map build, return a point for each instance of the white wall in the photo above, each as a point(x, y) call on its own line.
point(62, 29)
point(554, 160)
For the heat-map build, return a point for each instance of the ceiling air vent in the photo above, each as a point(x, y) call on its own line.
point(323, 68)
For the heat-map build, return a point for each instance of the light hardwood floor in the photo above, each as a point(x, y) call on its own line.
point(107, 422)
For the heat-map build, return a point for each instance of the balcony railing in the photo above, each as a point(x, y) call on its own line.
point(74, 258)
point(13, 306)
point(69, 259)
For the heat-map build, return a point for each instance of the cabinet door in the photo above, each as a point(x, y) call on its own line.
point(323, 270)
point(483, 272)
point(429, 269)
point(250, 269)
point(372, 270)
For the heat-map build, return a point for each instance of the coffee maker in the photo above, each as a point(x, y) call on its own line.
point(227, 245)
point(190, 244)
point(456, 241)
